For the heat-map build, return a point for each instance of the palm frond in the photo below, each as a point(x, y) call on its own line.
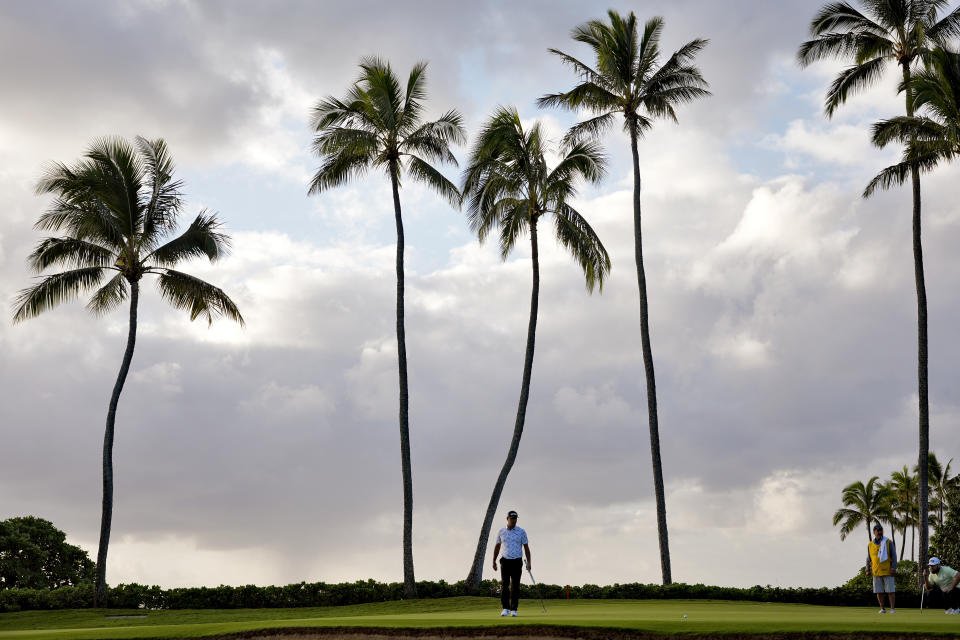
point(423, 172)
point(513, 224)
point(109, 295)
point(69, 252)
point(903, 129)
point(413, 97)
point(576, 235)
point(946, 29)
point(202, 238)
point(163, 206)
point(335, 170)
point(196, 296)
point(55, 289)
point(829, 45)
point(840, 16)
point(586, 95)
point(851, 80)
point(591, 128)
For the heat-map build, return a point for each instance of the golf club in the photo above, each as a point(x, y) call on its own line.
point(923, 592)
point(530, 573)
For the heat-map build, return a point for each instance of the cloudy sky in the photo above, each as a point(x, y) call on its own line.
point(782, 307)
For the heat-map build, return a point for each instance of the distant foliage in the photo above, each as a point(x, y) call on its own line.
point(945, 543)
point(906, 578)
point(320, 594)
point(34, 554)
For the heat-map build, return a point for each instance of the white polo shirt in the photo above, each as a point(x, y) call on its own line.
point(512, 541)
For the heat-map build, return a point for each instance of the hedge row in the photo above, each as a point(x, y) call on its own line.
point(320, 594)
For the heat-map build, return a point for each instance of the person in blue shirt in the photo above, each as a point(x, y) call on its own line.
point(512, 538)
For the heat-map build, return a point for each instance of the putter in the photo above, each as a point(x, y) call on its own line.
point(530, 573)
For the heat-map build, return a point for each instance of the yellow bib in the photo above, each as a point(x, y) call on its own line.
point(879, 568)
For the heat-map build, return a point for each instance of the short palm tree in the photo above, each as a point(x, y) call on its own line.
point(904, 489)
point(943, 486)
point(863, 504)
point(378, 125)
point(887, 31)
point(628, 81)
point(509, 188)
point(117, 208)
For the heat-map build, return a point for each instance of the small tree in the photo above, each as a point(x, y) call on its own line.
point(34, 554)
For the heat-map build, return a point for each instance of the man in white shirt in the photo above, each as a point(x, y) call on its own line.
point(946, 578)
point(512, 538)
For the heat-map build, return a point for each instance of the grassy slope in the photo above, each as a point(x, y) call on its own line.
point(661, 616)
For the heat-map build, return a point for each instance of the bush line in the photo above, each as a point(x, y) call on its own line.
point(321, 594)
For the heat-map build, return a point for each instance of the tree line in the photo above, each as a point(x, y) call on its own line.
point(118, 207)
point(896, 502)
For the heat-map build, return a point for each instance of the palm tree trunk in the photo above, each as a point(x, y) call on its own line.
point(476, 570)
point(106, 514)
point(903, 543)
point(648, 367)
point(409, 582)
point(921, 343)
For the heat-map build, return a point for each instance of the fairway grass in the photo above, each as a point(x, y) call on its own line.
point(705, 618)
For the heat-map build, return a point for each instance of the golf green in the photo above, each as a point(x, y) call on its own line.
point(704, 618)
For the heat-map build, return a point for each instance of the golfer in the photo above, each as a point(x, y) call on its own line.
point(946, 578)
point(882, 565)
point(511, 538)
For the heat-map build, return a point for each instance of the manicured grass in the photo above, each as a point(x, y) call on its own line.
point(658, 616)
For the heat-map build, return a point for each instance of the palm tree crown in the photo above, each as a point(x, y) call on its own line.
point(378, 125)
point(626, 79)
point(862, 504)
point(508, 186)
point(117, 208)
point(900, 31)
point(931, 138)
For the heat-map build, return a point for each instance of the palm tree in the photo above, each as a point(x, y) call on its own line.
point(627, 81)
point(509, 187)
point(862, 504)
point(903, 488)
point(116, 208)
point(898, 31)
point(379, 125)
point(941, 485)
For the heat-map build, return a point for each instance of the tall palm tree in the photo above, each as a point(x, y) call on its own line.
point(628, 81)
point(117, 208)
point(509, 188)
point(903, 488)
point(862, 504)
point(887, 31)
point(379, 125)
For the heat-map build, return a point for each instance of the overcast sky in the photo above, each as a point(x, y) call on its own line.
point(782, 307)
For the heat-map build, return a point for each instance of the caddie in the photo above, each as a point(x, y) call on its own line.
point(882, 565)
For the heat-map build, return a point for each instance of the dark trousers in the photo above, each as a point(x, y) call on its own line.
point(937, 599)
point(510, 570)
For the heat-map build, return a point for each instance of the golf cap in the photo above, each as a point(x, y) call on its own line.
point(877, 527)
point(934, 561)
point(512, 514)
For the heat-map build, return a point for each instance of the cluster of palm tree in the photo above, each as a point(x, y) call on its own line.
point(897, 501)
point(508, 187)
point(118, 205)
point(911, 34)
point(120, 201)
